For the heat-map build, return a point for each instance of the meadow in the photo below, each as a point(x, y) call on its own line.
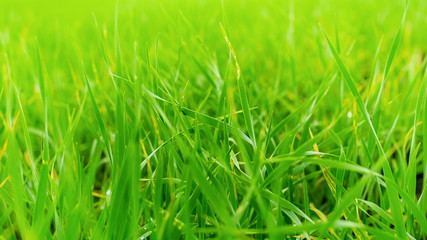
point(213, 119)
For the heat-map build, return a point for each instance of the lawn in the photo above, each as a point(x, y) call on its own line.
point(213, 119)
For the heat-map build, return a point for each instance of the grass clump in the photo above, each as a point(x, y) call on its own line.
point(213, 120)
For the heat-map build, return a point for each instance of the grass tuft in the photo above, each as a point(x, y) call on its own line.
point(213, 119)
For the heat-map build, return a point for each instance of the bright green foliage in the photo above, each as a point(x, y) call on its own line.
point(223, 119)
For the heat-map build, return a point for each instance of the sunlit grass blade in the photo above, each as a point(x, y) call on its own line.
point(394, 201)
point(242, 91)
point(98, 117)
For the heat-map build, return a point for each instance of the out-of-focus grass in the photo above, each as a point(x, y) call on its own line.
point(213, 119)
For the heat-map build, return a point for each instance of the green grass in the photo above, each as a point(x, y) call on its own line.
point(213, 119)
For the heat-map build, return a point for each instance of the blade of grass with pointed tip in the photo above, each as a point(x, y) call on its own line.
point(377, 107)
point(395, 204)
point(242, 91)
point(99, 120)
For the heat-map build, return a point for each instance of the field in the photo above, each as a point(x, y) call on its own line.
point(213, 119)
